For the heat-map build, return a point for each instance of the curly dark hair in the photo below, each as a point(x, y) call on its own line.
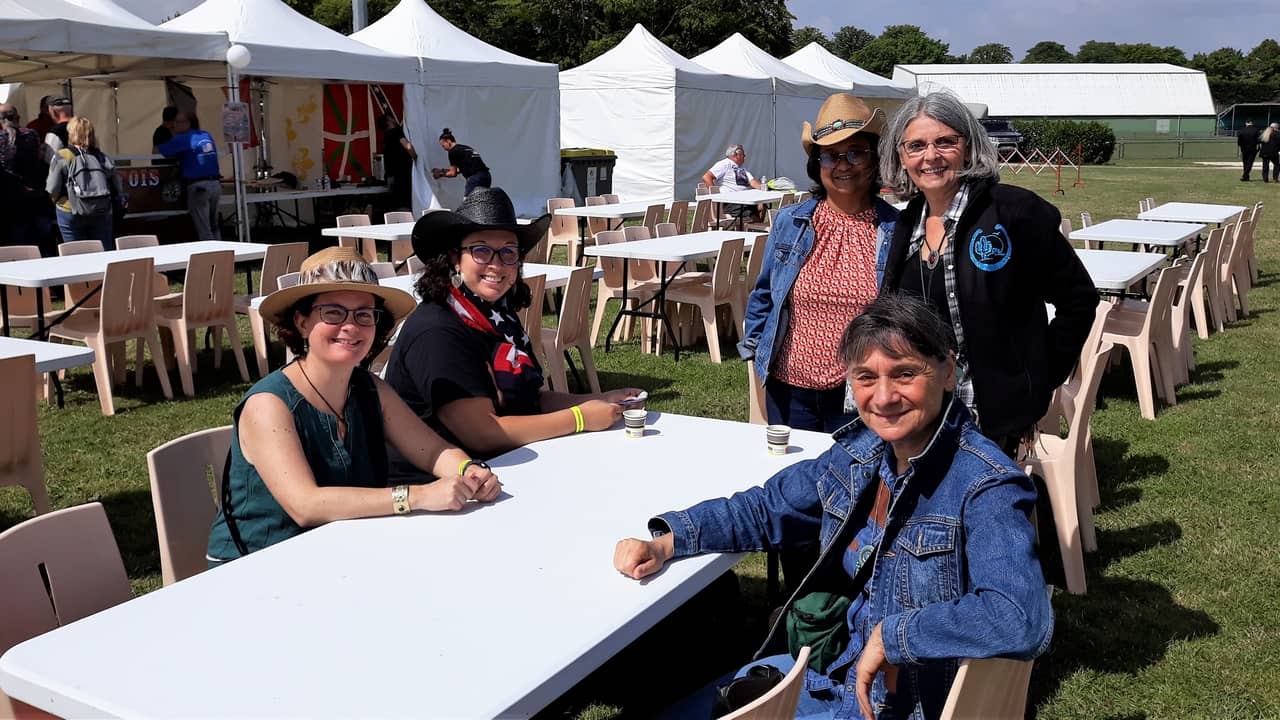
point(434, 282)
point(814, 169)
point(288, 333)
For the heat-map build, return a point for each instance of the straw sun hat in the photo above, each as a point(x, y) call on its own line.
point(335, 269)
point(841, 117)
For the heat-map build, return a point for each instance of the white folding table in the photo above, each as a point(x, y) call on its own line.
point(1193, 213)
point(491, 612)
point(619, 212)
point(1139, 232)
point(745, 197)
point(52, 271)
point(673, 248)
point(386, 232)
point(1118, 270)
point(50, 357)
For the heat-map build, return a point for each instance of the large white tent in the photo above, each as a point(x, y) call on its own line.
point(505, 106)
point(667, 117)
point(821, 63)
point(796, 98)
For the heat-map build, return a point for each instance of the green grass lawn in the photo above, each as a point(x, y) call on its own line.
point(1181, 619)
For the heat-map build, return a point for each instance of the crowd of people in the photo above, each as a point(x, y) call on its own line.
point(919, 339)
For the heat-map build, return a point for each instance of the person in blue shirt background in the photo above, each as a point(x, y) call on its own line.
point(197, 156)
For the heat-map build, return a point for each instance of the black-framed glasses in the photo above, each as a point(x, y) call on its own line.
point(337, 314)
point(483, 254)
point(829, 158)
point(942, 143)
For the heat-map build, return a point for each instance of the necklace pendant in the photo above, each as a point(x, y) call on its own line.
point(932, 259)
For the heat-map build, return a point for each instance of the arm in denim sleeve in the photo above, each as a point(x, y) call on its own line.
point(1006, 610)
point(785, 511)
point(759, 302)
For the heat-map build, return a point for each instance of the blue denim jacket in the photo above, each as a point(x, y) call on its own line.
point(955, 575)
point(790, 240)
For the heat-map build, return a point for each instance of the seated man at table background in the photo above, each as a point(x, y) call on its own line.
point(463, 361)
point(730, 174)
point(927, 556)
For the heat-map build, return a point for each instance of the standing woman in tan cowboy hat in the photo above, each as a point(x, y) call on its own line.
point(484, 390)
point(309, 440)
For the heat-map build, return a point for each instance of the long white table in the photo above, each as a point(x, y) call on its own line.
point(1164, 234)
point(388, 232)
point(52, 271)
point(50, 357)
point(492, 612)
point(1193, 212)
point(673, 248)
point(746, 197)
point(1118, 270)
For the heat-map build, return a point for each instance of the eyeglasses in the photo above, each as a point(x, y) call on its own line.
point(828, 159)
point(943, 144)
point(337, 314)
point(483, 254)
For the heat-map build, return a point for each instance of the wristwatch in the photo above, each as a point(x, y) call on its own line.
point(400, 499)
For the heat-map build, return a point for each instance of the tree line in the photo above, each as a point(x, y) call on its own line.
point(572, 32)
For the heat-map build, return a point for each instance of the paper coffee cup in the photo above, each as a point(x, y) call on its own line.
point(779, 438)
point(634, 421)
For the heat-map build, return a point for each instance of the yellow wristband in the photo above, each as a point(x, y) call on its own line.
point(579, 424)
point(462, 466)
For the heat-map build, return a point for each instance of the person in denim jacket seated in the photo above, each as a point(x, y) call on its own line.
point(927, 556)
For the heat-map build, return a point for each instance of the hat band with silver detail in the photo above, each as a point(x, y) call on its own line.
point(837, 125)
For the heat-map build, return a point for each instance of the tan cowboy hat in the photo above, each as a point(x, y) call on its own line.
point(841, 117)
point(335, 269)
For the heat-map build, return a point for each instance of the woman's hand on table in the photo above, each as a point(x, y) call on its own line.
point(452, 493)
point(487, 486)
point(641, 558)
point(599, 414)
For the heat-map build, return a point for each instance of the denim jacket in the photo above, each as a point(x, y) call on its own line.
point(790, 240)
point(955, 574)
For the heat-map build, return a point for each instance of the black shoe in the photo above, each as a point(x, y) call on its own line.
point(1244, 179)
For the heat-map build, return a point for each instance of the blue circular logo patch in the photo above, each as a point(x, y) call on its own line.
point(990, 251)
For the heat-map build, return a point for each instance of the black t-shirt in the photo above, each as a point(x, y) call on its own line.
point(160, 136)
point(920, 281)
point(467, 160)
point(396, 161)
point(435, 361)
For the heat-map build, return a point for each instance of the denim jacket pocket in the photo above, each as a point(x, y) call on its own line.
point(928, 566)
point(835, 505)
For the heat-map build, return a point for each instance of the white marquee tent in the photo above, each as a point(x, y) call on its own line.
point(505, 106)
point(796, 98)
point(821, 63)
point(667, 117)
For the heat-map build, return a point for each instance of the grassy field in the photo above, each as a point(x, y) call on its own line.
point(1181, 619)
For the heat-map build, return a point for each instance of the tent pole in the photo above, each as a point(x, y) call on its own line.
point(237, 164)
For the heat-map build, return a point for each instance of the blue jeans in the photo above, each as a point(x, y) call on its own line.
point(805, 409)
point(819, 705)
point(481, 179)
point(86, 227)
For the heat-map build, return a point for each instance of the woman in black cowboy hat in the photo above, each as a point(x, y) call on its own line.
point(462, 360)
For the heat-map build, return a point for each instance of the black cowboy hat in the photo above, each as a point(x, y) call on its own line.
point(484, 209)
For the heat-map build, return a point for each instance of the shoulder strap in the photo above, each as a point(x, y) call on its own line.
point(232, 528)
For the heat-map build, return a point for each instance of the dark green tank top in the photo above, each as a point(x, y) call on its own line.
point(258, 517)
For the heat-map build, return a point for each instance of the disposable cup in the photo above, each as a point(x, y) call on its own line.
point(779, 439)
point(634, 421)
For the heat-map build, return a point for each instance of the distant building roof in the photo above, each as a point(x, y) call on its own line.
point(1071, 89)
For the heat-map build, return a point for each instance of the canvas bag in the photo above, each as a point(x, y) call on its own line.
point(89, 183)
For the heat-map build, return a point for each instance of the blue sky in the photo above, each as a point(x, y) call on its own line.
point(1192, 25)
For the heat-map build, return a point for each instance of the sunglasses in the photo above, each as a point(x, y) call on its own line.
point(943, 144)
point(829, 158)
point(483, 254)
point(337, 314)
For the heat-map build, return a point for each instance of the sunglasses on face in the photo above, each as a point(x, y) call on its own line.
point(337, 314)
point(483, 254)
point(943, 144)
point(829, 158)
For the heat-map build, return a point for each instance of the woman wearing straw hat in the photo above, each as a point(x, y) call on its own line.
point(485, 393)
point(309, 440)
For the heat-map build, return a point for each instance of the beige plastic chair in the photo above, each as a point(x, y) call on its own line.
point(609, 287)
point(705, 217)
point(595, 226)
point(1063, 402)
point(383, 269)
point(755, 262)
point(1070, 475)
point(1251, 253)
point(721, 290)
point(160, 284)
point(279, 260)
point(367, 248)
point(1145, 335)
point(653, 215)
point(1190, 275)
point(74, 292)
point(989, 689)
point(400, 249)
point(1234, 280)
point(128, 313)
point(20, 460)
point(57, 568)
point(781, 700)
point(184, 500)
point(610, 199)
point(678, 215)
point(765, 226)
point(531, 317)
point(415, 265)
point(1065, 227)
point(572, 332)
point(666, 229)
point(563, 230)
point(22, 300)
point(206, 302)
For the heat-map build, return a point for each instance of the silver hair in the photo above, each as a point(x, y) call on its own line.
point(732, 150)
point(980, 159)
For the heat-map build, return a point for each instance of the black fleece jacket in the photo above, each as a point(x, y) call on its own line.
point(1010, 260)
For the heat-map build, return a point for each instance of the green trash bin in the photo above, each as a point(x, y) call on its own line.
point(585, 172)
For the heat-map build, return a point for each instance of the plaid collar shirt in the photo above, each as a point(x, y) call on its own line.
point(950, 219)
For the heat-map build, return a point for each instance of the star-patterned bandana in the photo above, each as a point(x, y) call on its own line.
point(515, 368)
